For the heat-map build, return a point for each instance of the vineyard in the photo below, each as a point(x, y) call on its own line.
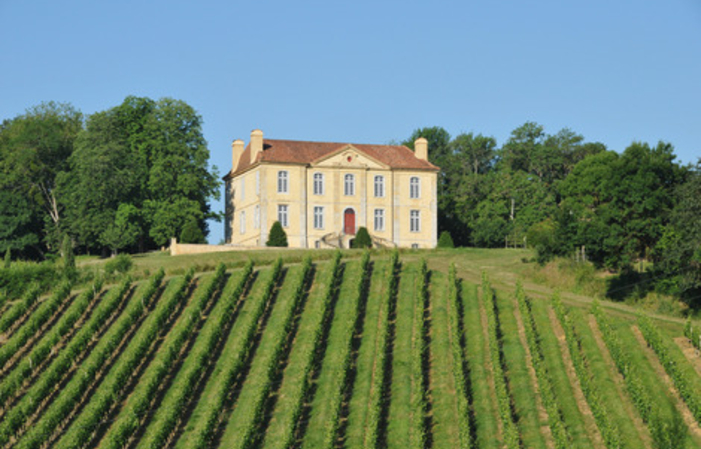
point(356, 351)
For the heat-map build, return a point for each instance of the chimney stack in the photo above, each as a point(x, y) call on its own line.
point(236, 152)
point(421, 148)
point(256, 144)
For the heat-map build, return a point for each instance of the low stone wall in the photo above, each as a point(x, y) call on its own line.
point(178, 249)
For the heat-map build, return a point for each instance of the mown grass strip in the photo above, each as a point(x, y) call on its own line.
point(179, 394)
point(548, 396)
point(14, 420)
point(324, 420)
point(108, 393)
point(477, 355)
point(201, 430)
point(400, 411)
point(308, 344)
point(685, 380)
point(444, 388)
point(665, 429)
point(608, 429)
point(135, 411)
point(43, 349)
point(460, 368)
point(15, 312)
point(44, 312)
point(243, 429)
point(512, 439)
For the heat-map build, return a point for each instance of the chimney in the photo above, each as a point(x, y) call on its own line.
point(256, 144)
point(421, 148)
point(236, 152)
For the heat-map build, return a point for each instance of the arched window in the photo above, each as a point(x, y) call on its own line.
point(414, 187)
point(349, 185)
point(282, 181)
point(318, 183)
point(379, 186)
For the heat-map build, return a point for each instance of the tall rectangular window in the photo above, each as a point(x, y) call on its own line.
point(243, 188)
point(414, 221)
point(282, 214)
point(379, 186)
point(318, 217)
point(282, 176)
point(349, 185)
point(414, 187)
point(318, 183)
point(379, 219)
point(256, 217)
point(242, 222)
point(258, 182)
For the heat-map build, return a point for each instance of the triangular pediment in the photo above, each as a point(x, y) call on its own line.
point(348, 156)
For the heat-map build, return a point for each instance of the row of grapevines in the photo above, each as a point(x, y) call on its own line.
point(15, 419)
point(205, 424)
point(511, 434)
point(349, 323)
point(36, 320)
point(419, 401)
point(659, 426)
point(377, 390)
point(308, 349)
point(108, 392)
point(680, 378)
point(556, 421)
point(244, 423)
point(693, 334)
point(464, 423)
point(14, 313)
point(11, 384)
point(609, 430)
point(179, 394)
point(134, 411)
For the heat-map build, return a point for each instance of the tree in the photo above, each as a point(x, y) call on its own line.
point(277, 236)
point(191, 232)
point(8, 259)
point(68, 256)
point(362, 238)
point(445, 240)
point(124, 231)
point(34, 148)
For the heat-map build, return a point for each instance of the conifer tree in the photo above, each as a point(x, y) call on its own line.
point(277, 236)
point(362, 239)
point(445, 240)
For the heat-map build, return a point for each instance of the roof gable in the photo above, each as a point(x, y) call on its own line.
point(348, 156)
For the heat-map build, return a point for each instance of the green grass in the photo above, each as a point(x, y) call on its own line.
point(398, 430)
point(477, 354)
point(332, 377)
point(561, 384)
point(617, 402)
point(520, 383)
point(443, 390)
point(367, 371)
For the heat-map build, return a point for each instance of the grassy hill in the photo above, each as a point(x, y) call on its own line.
point(318, 349)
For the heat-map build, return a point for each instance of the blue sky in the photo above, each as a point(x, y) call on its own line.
point(369, 71)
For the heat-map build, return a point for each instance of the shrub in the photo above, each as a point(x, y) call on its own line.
point(21, 275)
point(445, 240)
point(8, 258)
point(120, 264)
point(191, 232)
point(277, 236)
point(362, 239)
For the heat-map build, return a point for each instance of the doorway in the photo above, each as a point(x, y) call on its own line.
point(349, 221)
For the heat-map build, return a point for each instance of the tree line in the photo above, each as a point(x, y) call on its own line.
point(127, 178)
point(565, 196)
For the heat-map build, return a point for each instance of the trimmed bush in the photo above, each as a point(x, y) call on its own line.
point(362, 239)
point(277, 236)
point(445, 240)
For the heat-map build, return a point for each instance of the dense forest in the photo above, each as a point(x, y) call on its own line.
point(568, 197)
point(127, 178)
point(131, 177)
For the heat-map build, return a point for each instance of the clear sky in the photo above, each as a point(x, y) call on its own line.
point(369, 71)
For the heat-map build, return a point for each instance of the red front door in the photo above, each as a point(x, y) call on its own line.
point(349, 221)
